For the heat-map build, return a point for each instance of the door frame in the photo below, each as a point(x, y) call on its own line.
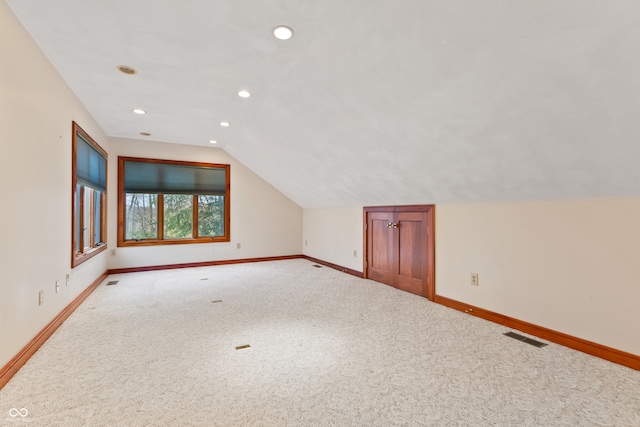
point(431, 256)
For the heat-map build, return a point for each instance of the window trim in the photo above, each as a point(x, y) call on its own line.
point(78, 258)
point(161, 240)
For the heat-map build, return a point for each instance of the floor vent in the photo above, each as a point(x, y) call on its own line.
point(205, 278)
point(242, 347)
point(525, 339)
point(112, 282)
point(216, 301)
point(316, 266)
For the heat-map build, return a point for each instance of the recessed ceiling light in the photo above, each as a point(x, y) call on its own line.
point(283, 32)
point(145, 134)
point(213, 141)
point(244, 94)
point(127, 70)
point(224, 124)
point(139, 111)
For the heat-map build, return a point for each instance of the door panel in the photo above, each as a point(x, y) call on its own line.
point(411, 251)
point(380, 247)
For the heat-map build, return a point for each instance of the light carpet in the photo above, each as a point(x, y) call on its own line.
point(326, 349)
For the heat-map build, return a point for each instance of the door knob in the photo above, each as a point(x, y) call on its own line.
point(392, 225)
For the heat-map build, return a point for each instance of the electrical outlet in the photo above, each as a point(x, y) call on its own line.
point(57, 286)
point(67, 280)
point(355, 253)
point(113, 252)
point(238, 245)
point(474, 279)
point(305, 243)
point(40, 297)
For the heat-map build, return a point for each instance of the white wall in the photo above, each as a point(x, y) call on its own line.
point(36, 111)
point(571, 266)
point(332, 234)
point(263, 220)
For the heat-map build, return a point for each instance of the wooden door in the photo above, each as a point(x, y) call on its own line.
point(399, 247)
point(380, 247)
point(412, 252)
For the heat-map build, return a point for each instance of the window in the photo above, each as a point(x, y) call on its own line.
point(89, 197)
point(164, 202)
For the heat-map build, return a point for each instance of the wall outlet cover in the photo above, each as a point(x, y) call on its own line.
point(474, 279)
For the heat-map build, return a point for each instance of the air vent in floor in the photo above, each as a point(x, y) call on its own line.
point(525, 339)
point(242, 347)
point(316, 266)
point(112, 282)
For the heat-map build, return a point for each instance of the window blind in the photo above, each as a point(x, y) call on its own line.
point(156, 178)
point(91, 166)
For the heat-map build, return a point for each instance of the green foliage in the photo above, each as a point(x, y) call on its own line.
point(178, 216)
point(210, 215)
point(141, 216)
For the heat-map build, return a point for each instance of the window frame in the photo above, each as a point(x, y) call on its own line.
point(122, 242)
point(86, 252)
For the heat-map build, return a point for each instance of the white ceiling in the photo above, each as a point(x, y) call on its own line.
point(372, 101)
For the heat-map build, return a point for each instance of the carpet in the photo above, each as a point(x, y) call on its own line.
point(325, 349)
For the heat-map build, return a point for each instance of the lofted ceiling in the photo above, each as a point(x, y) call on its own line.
point(372, 101)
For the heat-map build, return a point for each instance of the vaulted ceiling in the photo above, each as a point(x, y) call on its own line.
point(371, 101)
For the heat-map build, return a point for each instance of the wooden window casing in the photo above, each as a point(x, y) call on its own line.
point(160, 238)
point(83, 249)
